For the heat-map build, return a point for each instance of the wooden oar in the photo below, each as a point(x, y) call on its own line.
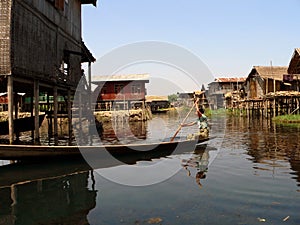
point(179, 128)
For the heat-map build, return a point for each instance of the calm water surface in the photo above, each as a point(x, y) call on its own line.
point(253, 178)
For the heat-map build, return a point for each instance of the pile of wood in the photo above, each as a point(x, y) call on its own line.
point(283, 94)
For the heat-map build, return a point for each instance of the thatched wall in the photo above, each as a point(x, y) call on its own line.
point(5, 16)
point(40, 33)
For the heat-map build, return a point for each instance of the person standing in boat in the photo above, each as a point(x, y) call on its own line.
point(201, 122)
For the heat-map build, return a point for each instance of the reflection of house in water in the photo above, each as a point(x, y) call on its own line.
point(120, 91)
point(275, 147)
point(125, 133)
point(65, 199)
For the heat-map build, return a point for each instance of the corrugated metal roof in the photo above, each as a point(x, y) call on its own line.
point(230, 79)
point(121, 77)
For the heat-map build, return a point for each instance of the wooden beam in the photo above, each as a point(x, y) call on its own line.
point(10, 96)
point(36, 111)
point(55, 99)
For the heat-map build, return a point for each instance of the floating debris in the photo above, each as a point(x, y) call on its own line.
point(154, 220)
point(286, 218)
point(261, 219)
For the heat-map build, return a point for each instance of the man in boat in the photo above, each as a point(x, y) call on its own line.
point(202, 124)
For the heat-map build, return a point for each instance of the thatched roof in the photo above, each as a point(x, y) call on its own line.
point(151, 98)
point(272, 72)
point(294, 67)
point(122, 77)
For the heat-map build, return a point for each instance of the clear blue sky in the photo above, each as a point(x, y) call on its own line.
point(228, 36)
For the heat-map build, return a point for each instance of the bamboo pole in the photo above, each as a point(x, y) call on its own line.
point(10, 97)
point(179, 128)
point(36, 111)
point(55, 103)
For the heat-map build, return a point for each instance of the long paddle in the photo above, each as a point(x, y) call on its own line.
point(179, 128)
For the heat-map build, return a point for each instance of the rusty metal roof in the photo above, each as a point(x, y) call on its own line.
point(230, 79)
point(121, 77)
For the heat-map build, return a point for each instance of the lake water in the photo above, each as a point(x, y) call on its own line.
point(253, 177)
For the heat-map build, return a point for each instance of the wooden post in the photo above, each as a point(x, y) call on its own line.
point(69, 117)
point(16, 114)
point(80, 117)
point(49, 109)
point(55, 103)
point(36, 111)
point(31, 113)
point(10, 94)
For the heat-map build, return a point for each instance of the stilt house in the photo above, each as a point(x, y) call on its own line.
point(264, 79)
point(41, 49)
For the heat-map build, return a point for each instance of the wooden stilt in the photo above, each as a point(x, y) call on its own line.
point(69, 105)
point(31, 113)
point(36, 111)
point(55, 103)
point(16, 114)
point(10, 108)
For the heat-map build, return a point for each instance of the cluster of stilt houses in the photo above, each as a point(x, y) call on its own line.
point(41, 57)
point(267, 90)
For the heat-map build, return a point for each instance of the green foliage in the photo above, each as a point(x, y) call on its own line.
point(172, 98)
point(287, 118)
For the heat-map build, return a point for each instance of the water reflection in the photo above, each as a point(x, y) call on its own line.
point(268, 144)
point(198, 164)
point(46, 194)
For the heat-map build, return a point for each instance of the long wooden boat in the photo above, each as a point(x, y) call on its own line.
point(21, 124)
point(128, 153)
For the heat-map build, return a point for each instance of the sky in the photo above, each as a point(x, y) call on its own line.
point(228, 37)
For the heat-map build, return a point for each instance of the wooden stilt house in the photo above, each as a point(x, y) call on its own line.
point(264, 79)
point(41, 49)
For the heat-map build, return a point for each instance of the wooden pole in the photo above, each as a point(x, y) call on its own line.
point(16, 114)
point(69, 117)
point(179, 128)
point(10, 97)
point(55, 103)
point(36, 111)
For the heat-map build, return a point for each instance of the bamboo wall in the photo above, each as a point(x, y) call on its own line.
point(5, 16)
point(36, 37)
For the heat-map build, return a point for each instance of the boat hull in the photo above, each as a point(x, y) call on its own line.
point(124, 153)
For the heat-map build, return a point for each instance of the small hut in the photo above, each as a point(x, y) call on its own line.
point(158, 104)
point(264, 79)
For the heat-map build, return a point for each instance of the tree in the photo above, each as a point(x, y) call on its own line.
point(172, 98)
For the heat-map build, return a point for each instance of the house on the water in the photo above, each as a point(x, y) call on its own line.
point(120, 92)
point(158, 104)
point(41, 50)
point(264, 79)
point(220, 87)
